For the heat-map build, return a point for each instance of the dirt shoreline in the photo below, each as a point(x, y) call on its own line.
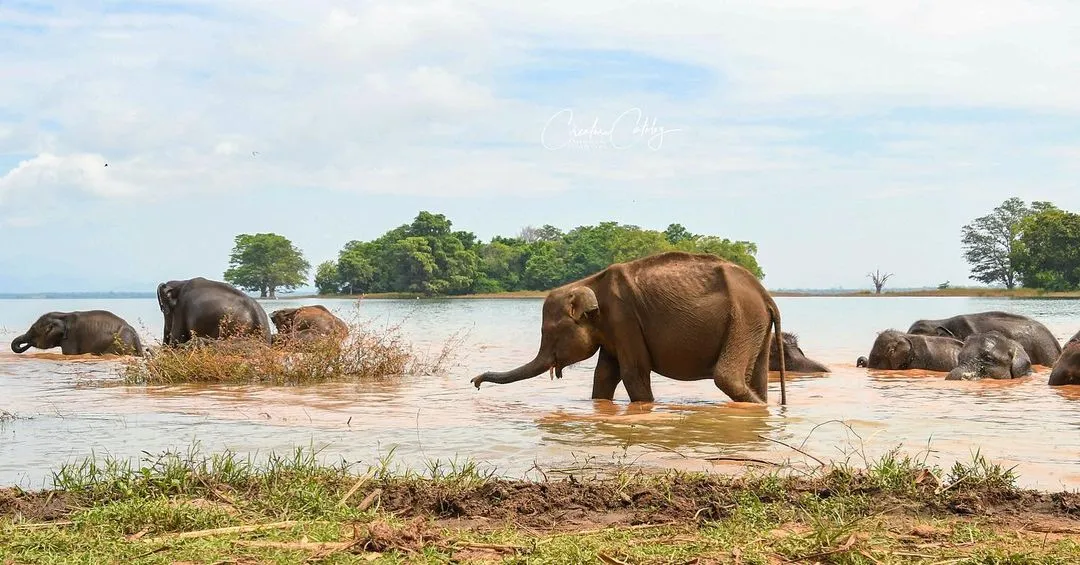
point(181, 512)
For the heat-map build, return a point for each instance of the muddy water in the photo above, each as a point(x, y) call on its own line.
point(64, 409)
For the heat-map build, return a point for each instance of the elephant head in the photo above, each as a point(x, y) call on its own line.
point(168, 295)
point(891, 350)
point(283, 318)
point(46, 333)
point(861, 362)
point(990, 355)
point(568, 335)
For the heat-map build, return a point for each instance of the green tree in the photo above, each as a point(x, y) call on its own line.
point(989, 243)
point(676, 234)
point(1048, 252)
point(355, 268)
point(327, 279)
point(266, 262)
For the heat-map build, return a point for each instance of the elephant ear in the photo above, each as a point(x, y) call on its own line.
point(166, 296)
point(1021, 364)
point(581, 301)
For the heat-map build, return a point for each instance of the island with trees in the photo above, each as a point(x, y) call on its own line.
point(1019, 249)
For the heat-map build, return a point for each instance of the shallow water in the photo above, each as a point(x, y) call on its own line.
point(63, 412)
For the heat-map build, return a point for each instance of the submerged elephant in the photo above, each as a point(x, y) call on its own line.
point(210, 309)
point(794, 359)
point(1067, 368)
point(684, 316)
point(308, 322)
point(990, 355)
point(96, 332)
point(895, 350)
point(1039, 342)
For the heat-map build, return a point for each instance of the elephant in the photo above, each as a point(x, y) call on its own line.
point(96, 332)
point(990, 355)
point(795, 360)
point(895, 350)
point(862, 362)
point(685, 316)
point(1039, 342)
point(307, 322)
point(1067, 367)
point(211, 309)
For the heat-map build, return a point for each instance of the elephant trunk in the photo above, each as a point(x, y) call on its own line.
point(20, 344)
point(533, 368)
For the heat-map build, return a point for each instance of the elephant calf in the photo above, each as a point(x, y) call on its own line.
point(895, 350)
point(794, 359)
point(96, 332)
point(1067, 368)
point(306, 323)
point(990, 355)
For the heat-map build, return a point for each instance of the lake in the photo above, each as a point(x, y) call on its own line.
point(59, 412)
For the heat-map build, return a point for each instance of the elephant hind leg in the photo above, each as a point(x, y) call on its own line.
point(742, 363)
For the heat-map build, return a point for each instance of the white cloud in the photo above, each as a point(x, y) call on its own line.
point(410, 97)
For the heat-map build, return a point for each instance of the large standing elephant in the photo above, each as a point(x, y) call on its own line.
point(96, 332)
point(990, 355)
point(684, 316)
point(1039, 342)
point(210, 309)
point(307, 322)
point(794, 359)
point(1067, 368)
point(895, 350)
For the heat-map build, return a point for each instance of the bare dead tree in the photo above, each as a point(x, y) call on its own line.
point(529, 234)
point(879, 279)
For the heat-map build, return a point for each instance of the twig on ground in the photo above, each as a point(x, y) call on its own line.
point(228, 530)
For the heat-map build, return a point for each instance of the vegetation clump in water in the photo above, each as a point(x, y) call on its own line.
point(366, 354)
point(297, 509)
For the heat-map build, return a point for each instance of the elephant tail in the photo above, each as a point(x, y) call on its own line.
point(774, 312)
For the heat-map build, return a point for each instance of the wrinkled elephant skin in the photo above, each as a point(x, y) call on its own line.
point(97, 332)
point(895, 350)
point(666, 314)
point(306, 323)
point(1036, 339)
point(795, 361)
point(1067, 368)
point(990, 355)
point(209, 309)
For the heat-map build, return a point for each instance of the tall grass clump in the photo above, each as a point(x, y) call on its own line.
point(368, 353)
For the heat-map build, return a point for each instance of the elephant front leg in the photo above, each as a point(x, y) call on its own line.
point(636, 380)
point(606, 377)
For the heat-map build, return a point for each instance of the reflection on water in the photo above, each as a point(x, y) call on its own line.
point(64, 411)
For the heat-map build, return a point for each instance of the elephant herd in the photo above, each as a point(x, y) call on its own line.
point(982, 345)
point(196, 308)
point(684, 316)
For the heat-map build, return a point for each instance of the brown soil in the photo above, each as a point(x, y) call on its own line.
point(41, 506)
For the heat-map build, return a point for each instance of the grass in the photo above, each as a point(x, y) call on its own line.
point(368, 353)
point(297, 509)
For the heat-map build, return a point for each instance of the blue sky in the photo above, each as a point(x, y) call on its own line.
point(840, 136)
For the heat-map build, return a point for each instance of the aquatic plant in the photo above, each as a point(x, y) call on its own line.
point(368, 353)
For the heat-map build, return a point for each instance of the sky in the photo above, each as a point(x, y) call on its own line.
point(841, 137)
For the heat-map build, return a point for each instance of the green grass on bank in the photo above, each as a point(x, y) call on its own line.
point(294, 509)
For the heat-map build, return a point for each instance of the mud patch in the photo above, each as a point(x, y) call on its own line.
point(33, 506)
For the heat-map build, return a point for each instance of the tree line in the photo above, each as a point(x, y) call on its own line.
point(427, 256)
point(1034, 246)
